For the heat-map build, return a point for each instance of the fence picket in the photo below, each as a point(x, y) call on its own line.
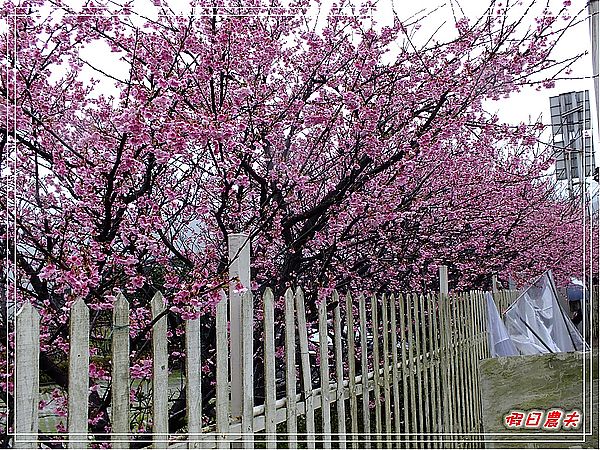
point(120, 373)
point(160, 374)
point(290, 368)
point(386, 371)
point(352, 371)
point(395, 377)
point(339, 370)
point(193, 382)
point(27, 377)
point(247, 347)
point(364, 366)
point(405, 369)
point(461, 362)
point(222, 391)
point(469, 363)
point(426, 358)
point(411, 366)
point(418, 361)
point(478, 301)
point(444, 306)
point(376, 365)
point(454, 368)
point(324, 370)
point(307, 389)
point(79, 361)
point(269, 367)
point(435, 367)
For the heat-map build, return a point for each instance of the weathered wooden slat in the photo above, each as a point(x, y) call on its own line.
point(462, 362)
point(434, 371)
point(364, 365)
point(307, 390)
point(120, 374)
point(222, 390)
point(405, 369)
point(418, 362)
point(160, 375)
point(475, 355)
point(482, 329)
point(193, 382)
point(239, 246)
point(469, 362)
point(445, 349)
point(290, 368)
point(376, 366)
point(247, 345)
point(456, 376)
point(386, 370)
point(395, 375)
point(426, 356)
point(411, 366)
point(79, 362)
point(27, 373)
point(324, 370)
point(447, 363)
point(352, 371)
point(269, 361)
point(339, 370)
point(455, 388)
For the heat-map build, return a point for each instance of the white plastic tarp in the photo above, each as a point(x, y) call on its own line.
point(537, 324)
point(499, 340)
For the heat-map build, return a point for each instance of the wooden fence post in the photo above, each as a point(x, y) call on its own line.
point(443, 270)
point(160, 374)
point(120, 374)
point(79, 362)
point(27, 377)
point(239, 272)
point(248, 368)
point(445, 342)
point(494, 282)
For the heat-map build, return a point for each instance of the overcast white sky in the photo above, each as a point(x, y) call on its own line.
point(529, 103)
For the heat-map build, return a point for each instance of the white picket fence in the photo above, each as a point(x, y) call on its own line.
point(423, 390)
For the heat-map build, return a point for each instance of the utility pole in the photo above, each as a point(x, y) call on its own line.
point(593, 10)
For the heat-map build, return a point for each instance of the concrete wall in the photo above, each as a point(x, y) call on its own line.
point(538, 382)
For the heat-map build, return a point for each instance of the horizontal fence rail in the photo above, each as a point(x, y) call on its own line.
point(370, 371)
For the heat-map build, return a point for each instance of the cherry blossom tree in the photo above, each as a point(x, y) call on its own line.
point(357, 156)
